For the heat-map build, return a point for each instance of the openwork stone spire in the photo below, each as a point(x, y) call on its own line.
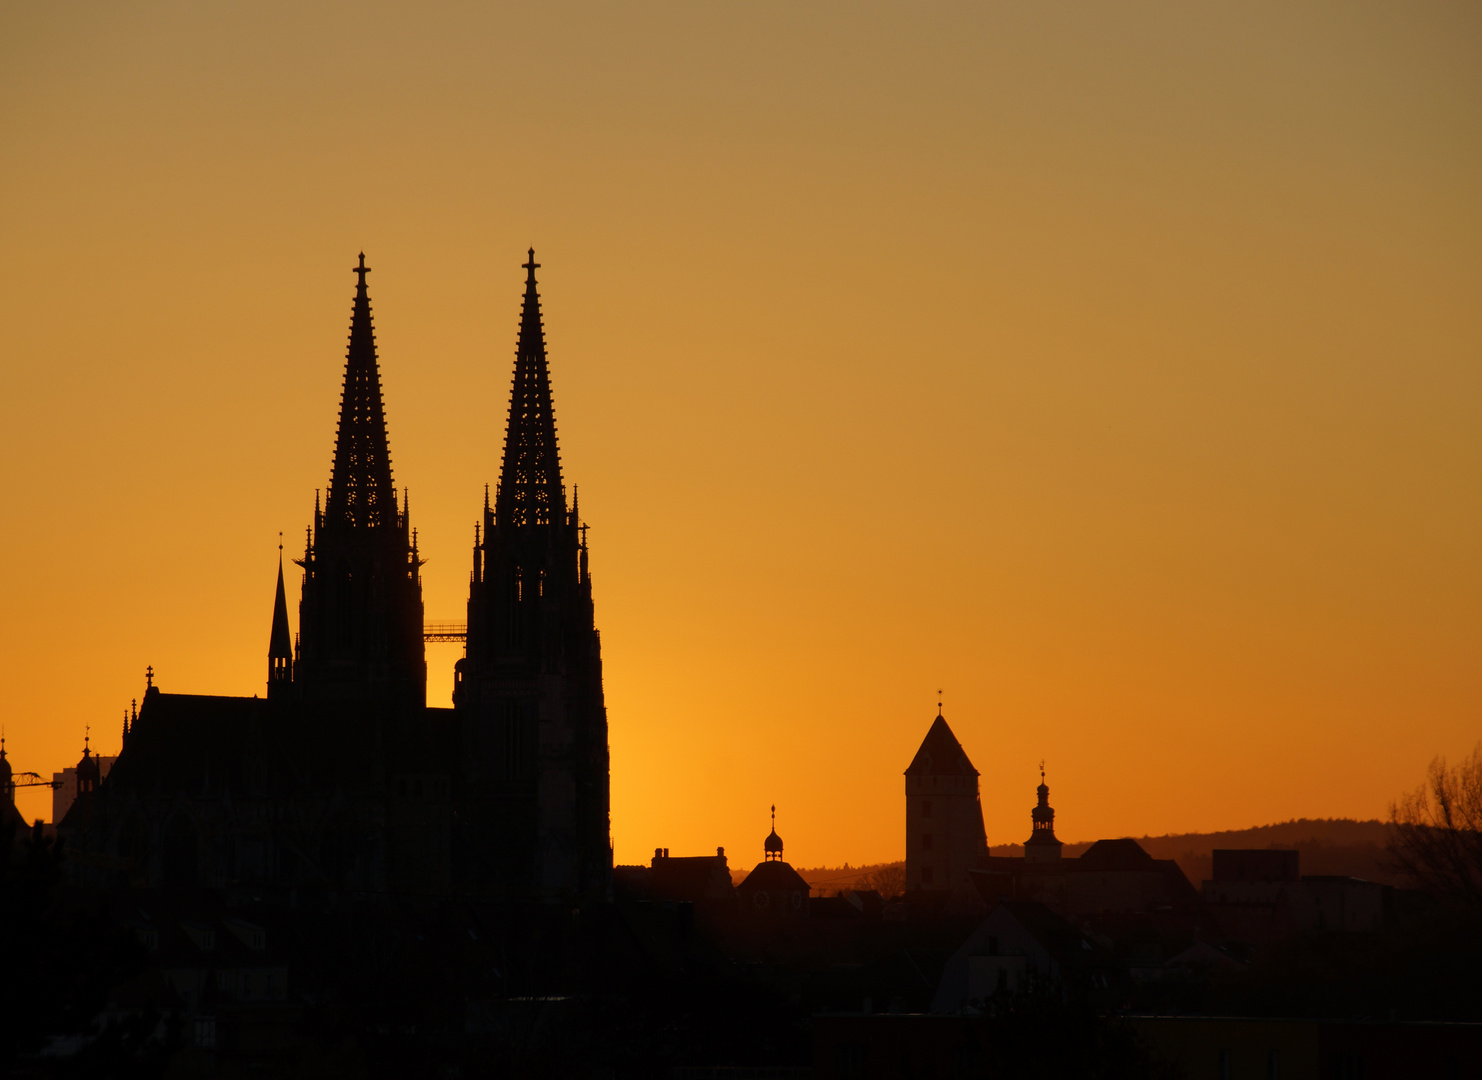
point(360, 491)
point(530, 490)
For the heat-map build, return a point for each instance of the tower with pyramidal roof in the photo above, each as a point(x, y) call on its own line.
point(945, 838)
point(529, 689)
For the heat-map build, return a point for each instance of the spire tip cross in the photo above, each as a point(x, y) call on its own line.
point(532, 265)
point(362, 269)
point(149, 676)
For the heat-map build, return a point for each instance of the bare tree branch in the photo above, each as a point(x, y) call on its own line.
point(1438, 830)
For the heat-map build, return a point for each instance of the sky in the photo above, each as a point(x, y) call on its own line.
point(1114, 370)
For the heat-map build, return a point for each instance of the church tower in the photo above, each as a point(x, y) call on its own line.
point(944, 817)
point(529, 689)
point(360, 617)
point(1042, 846)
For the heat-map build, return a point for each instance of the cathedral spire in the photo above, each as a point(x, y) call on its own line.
point(530, 491)
point(360, 491)
point(280, 645)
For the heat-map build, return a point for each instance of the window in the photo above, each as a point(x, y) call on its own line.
point(1272, 1072)
point(926, 841)
point(926, 877)
point(851, 1059)
point(1224, 1063)
point(926, 808)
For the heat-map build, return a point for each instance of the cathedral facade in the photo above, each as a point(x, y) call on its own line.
point(340, 782)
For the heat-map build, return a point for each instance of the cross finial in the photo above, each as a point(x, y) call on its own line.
point(1041, 770)
point(531, 266)
point(149, 676)
point(87, 734)
point(280, 545)
point(362, 270)
point(774, 817)
point(939, 703)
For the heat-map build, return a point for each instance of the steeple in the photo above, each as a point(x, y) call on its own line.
point(88, 774)
point(280, 644)
point(530, 491)
point(772, 845)
point(360, 491)
point(360, 618)
point(1042, 844)
point(528, 691)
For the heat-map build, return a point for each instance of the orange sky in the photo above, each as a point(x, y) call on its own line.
point(1114, 368)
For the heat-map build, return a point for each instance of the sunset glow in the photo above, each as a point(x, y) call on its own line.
point(1114, 371)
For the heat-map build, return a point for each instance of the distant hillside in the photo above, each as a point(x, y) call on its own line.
point(1339, 846)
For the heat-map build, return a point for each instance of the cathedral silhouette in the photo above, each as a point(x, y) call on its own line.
point(341, 783)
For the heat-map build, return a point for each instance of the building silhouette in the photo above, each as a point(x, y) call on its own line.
point(340, 782)
point(945, 838)
point(773, 889)
point(528, 693)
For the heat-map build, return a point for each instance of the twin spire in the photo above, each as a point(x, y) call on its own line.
point(530, 489)
point(360, 491)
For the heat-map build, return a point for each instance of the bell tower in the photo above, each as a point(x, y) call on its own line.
point(529, 689)
point(1042, 846)
point(360, 616)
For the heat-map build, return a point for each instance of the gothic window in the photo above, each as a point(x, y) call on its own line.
point(926, 841)
point(926, 876)
point(926, 808)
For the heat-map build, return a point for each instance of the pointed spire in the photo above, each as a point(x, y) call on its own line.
point(530, 491)
point(280, 644)
point(360, 490)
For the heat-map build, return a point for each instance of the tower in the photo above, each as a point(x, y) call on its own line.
point(772, 845)
point(280, 647)
point(7, 777)
point(360, 616)
point(1042, 845)
point(89, 776)
point(529, 688)
point(944, 818)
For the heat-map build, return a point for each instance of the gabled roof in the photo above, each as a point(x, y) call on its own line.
point(1125, 854)
point(1055, 935)
point(941, 754)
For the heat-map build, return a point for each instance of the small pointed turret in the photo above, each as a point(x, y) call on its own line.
point(530, 491)
point(7, 777)
point(280, 644)
point(88, 774)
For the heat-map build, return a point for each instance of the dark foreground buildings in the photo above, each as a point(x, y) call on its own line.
point(340, 782)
